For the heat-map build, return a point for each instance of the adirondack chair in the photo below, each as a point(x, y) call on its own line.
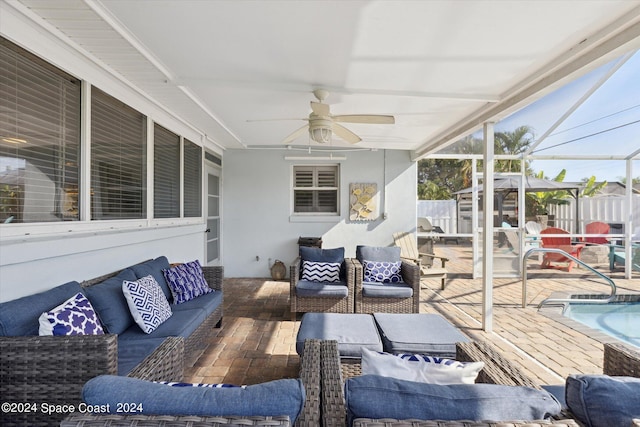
point(597, 227)
point(563, 243)
point(409, 250)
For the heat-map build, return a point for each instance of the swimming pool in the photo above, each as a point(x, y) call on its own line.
point(620, 320)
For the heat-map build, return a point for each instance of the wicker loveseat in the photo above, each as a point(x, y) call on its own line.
point(618, 361)
point(47, 371)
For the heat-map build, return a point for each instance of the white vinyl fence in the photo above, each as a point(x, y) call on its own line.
point(609, 209)
point(442, 213)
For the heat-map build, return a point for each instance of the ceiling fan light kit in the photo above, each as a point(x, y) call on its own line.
point(319, 131)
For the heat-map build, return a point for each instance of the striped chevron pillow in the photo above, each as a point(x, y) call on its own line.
point(321, 271)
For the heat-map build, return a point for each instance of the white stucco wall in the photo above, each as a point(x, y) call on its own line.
point(34, 264)
point(257, 209)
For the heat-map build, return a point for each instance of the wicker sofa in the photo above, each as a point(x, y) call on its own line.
point(618, 360)
point(310, 374)
point(51, 370)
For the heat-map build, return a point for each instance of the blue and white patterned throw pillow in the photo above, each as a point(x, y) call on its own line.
point(179, 384)
point(418, 368)
point(147, 303)
point(75, 316)
point(382, 272)
point(321, 271)
point(186, 281)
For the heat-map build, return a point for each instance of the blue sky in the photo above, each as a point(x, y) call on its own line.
point(607, 123)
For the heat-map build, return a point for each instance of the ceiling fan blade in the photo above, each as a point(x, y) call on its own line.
point(346, 134)
point(319, 108)
point(277, 120)
point(365, 118)
point(298, 132)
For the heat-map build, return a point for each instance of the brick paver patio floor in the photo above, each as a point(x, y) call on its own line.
point(257, 340)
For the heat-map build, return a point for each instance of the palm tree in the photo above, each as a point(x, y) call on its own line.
point(513, 142)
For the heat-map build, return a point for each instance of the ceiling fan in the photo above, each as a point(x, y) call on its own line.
point(322, 124)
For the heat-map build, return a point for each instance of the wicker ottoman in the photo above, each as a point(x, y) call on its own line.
point(428, 334)
point(351, 331)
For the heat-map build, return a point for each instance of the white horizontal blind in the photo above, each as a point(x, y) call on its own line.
point(118, 159)
point(166, 173)
point(315, 189)
point(39, 139)
point(192, 179)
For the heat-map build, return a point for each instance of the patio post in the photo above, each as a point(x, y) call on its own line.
point(487, 235)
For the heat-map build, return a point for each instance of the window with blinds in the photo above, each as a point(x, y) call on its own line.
point(192, 179)
point(166, 173)
point(315, 189)
point(39, 139)
point(118, 159)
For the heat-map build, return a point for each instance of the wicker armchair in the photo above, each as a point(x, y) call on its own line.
point(310, 375)
point(498, 370)
point(410, 274)
point(318, 303)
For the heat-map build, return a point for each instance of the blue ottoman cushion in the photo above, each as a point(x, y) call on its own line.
point(428, 334)
point(352, 331)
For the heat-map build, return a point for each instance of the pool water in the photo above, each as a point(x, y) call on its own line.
point(620, 320)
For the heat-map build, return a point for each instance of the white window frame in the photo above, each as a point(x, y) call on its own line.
point(316, 216)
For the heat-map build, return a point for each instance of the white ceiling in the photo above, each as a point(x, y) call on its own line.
point(440, 67)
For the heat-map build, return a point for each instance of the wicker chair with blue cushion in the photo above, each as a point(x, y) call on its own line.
point(322, 280)
point(384, 283)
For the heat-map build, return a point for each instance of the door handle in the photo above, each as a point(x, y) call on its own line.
point(208, 230)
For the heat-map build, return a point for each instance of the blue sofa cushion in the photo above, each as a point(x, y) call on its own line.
point(155, 267)
point(376, 253)
point(109, 302)
point(373, 396)
point(208, 302)
point(602, 401)
point(19, 317)
point(279, 397)
point(321, 255)
point(306, 288)
point(75, 316)
point(387, 290)
point(132, 352)
point(181, 324)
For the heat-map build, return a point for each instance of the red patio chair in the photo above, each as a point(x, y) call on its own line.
point(597, 227)
point(563, 243)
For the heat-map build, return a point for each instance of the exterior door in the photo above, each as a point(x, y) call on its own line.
point(213, 215)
